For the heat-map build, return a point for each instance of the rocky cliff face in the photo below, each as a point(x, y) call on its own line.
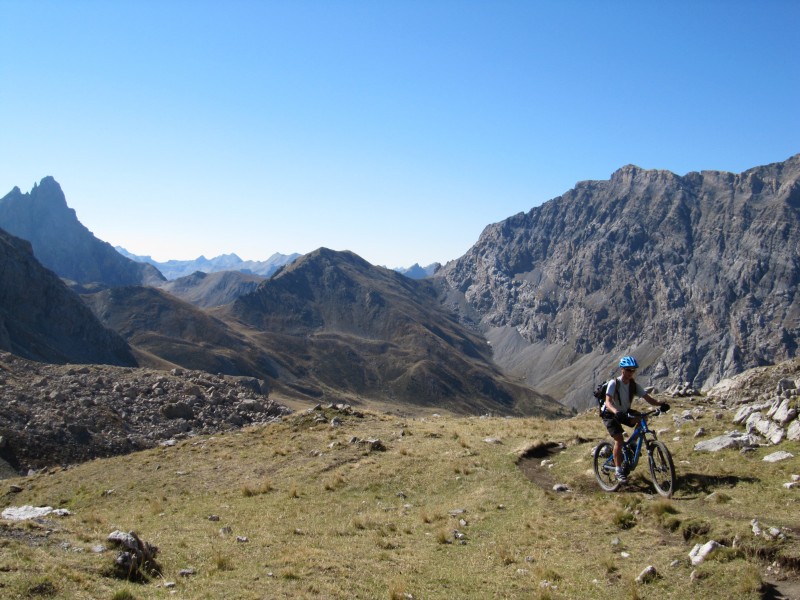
point(695, 275)
point(61, 243)
point(41, 319)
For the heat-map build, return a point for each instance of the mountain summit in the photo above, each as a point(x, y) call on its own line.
point(61, 243)
point(696, 275)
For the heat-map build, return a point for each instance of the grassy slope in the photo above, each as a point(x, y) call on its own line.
point(325, 517)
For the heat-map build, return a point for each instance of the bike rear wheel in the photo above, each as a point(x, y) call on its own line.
point(604, 470)
point(662, 470)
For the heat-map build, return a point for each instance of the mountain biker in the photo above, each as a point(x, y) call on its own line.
point(619, 397)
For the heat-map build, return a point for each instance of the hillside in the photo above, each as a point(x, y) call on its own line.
point(168, 332)
point(62, 244)
point(41, 319)
point(354, 331)
point(695, 275)
point(338, 503)
point(207, 290)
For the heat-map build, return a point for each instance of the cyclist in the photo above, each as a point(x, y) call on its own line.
point(619, 397)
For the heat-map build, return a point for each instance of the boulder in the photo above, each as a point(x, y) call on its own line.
point(793, 432)
point(778, 456)
point(732, 439)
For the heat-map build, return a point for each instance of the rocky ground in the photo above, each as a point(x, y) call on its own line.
point(65, 414)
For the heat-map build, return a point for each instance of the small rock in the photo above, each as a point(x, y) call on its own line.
point(778, 456)
point(187, 572)
point(647, 575)
point(756, 527)
point(560, 487)
point(702, 551)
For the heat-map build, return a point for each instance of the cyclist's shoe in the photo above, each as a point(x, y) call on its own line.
point(622, 477)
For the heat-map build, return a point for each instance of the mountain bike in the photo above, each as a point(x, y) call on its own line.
point(662, 469)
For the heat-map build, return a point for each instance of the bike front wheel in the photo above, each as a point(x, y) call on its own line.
point(604, 470)
point(662, 470)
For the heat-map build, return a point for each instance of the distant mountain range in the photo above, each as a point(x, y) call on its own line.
point(696, 275)
point(174, 269)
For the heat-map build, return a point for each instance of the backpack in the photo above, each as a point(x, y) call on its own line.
point(600, 395)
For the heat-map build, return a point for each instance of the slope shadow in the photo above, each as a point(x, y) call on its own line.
point(698, 483)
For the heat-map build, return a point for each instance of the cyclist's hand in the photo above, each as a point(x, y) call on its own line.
point(664, 407)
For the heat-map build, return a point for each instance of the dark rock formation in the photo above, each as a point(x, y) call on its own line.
point(61, 243)
point(41, 319)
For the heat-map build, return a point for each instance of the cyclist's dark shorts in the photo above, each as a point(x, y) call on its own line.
point(612, 425)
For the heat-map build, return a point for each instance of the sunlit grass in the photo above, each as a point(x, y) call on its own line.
point(299, 511)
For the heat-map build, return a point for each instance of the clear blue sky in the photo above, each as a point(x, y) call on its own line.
point(395, 129)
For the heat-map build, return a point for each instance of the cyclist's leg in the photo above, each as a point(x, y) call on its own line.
point(618, 441)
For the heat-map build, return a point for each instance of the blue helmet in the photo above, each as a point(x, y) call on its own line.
point(628, 362)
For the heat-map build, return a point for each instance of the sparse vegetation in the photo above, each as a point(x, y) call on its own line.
point(307, 514)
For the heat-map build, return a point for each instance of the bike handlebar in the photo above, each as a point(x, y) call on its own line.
point(639, 415)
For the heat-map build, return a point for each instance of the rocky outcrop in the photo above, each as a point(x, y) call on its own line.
point(41, 319)
point(695, 275)
point(61, 243)
point(55, 415)
point(766, 403)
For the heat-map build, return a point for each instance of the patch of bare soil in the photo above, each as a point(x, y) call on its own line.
point(782, 588)
point(530, 463)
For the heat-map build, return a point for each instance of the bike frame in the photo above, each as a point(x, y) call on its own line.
point(636, 441)
point(632, 448)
